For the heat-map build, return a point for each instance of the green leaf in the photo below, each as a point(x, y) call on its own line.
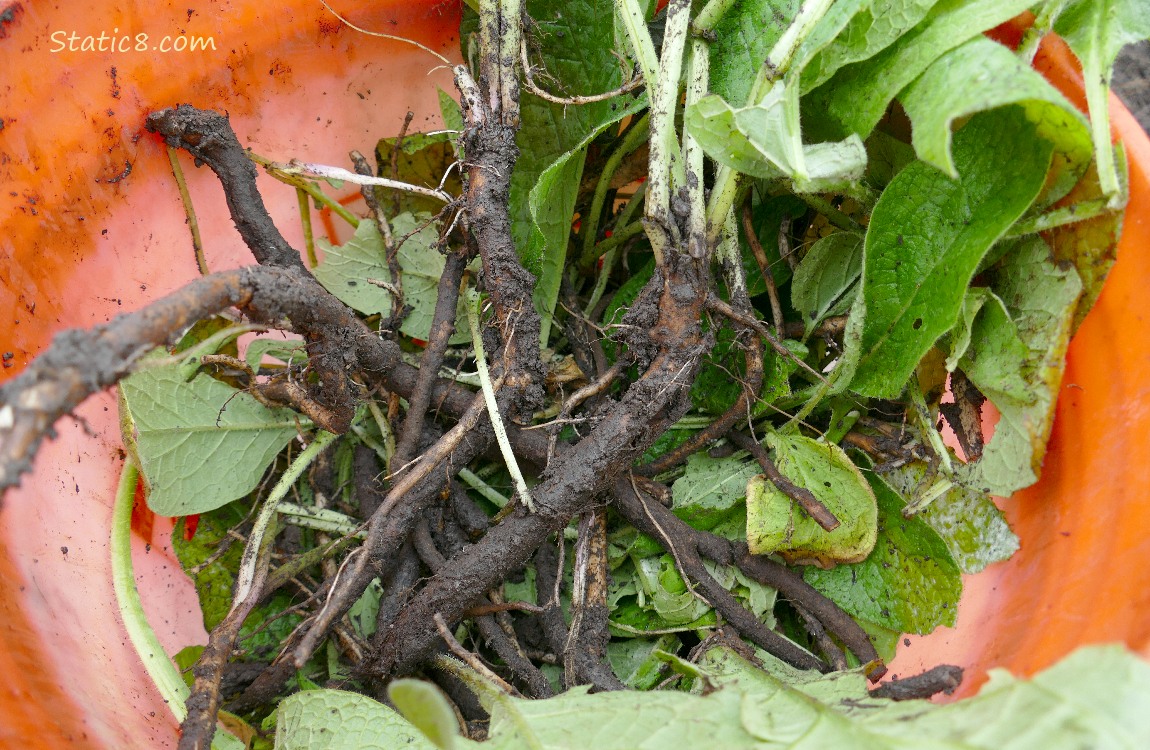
point(1040, 297)
point(711, 488)
point(926, 237)
point(869, 31)
point(824, 282)
point(633, 661)
point(342, 720)
point(423, 705)
point(1097, 697)
point(364, 613)
point(855, 98)
point(575, 41)
point(776, 525)
point(345, 270)
point(551, 203)
point(200, 444)
point(719, 381)
point(974, 529)
point(743, 37)
point(1096, 31)
point(909, 583)
point(1091, 244)
point(981, 75)
point(764, 141)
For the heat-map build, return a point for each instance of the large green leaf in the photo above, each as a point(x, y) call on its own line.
point(1039, 296)
point(1096, 698)
point(981, 75)
point(200, 444)
point(926, 237)
point(776, 525)
point(743, 37)
point(1096, 31)
point(855, 98)
point(343, 720)
point(909, 583)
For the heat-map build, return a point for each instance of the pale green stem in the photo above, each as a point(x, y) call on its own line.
point(385, 430)
point(1043, 23)
point(510, 39)
point(246, 575)
point(305, 220)
point(698, 78)
point(159, 667)
point(189, 212)
point(723, 196)
point(483, 488)
point(492, 406)
point(307, 186)
point(320, 519)
point(635, 24)
point(710, 16)
point(1060, 217)
point(631, 141)
point(666, 173)
point(781, 54)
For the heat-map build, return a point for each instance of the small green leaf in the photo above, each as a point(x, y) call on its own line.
point(449, 110)
point(981, 75)
point(776, 525)
point(423, 705)
point(909, 583)
point(633, 662)
point(926, 237)
point(200, 444)
point(342, 720)
point(974, 529)
point(345, 270)
point(825, 280)
point(1028, 338)
point(855, 98)
point(711, 488)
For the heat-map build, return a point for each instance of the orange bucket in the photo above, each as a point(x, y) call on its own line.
point(92, 225)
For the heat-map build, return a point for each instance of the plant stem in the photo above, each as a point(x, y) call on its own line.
point(309, 187)
point(159, 667)
point(190, 212)
point(631, 141)
point(246, 575)
point(305, 220)
point(485, 383)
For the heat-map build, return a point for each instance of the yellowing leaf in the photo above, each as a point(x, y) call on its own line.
point(776, 525)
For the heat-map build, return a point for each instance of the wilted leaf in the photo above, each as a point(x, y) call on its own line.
point(909, 583)
point(1040, 297)
point(711, 488)
point(974, 529)
point(775, 524)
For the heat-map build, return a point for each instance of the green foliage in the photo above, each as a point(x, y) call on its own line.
point(776, 525)
point(342, 720)
point(926, 237)
point(910, 583)
point(199, 444)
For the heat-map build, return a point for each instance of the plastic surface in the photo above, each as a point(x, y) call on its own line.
point(77, 247)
